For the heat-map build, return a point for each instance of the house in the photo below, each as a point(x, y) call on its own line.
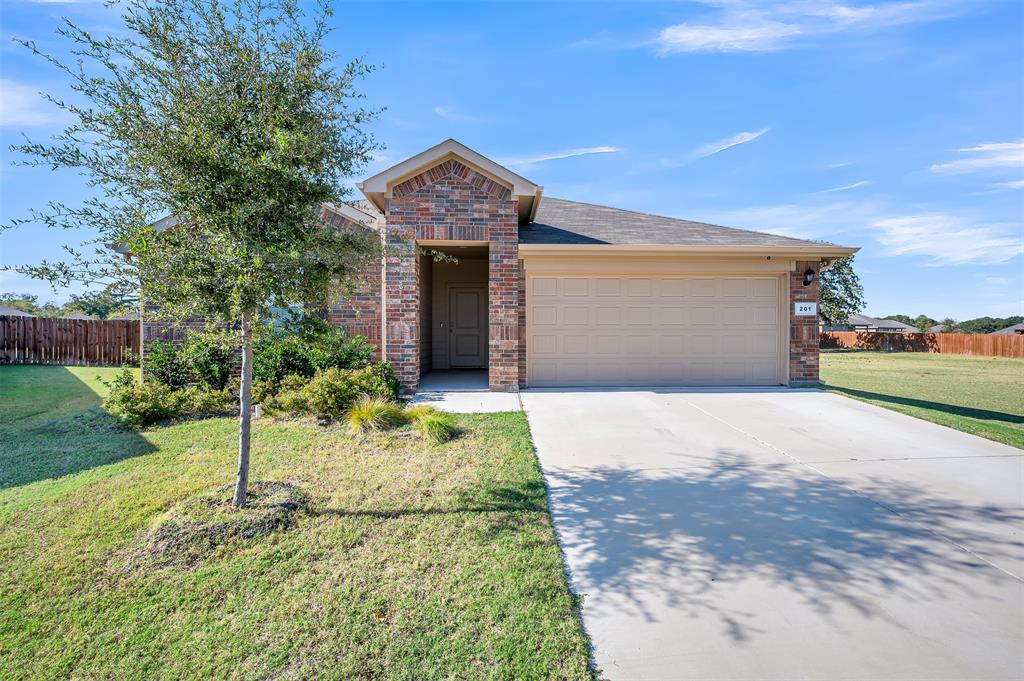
point(1016, 329)
point(860, 322)
point(7, 311)
point(78, 315)
point(550, 292)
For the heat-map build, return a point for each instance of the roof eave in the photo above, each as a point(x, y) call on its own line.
point(809, 251)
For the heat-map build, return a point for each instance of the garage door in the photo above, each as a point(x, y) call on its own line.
point(636, 330)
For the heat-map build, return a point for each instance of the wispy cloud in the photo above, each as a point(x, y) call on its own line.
point(988, 156)
point(942, 238)
point(533, 159)
point(718, 146)
point(712, 148)
point(812, 219)
point(745, 36)
point(949, 239)
point(453, 116)
point(768, 26)
point(1012, 184)
point(845, 187)
point(23, 106)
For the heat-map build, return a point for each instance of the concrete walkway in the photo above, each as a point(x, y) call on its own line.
point(463, 390)
point(777, 534)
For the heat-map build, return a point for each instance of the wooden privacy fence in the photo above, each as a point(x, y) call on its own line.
point(43, 340)
point(988, 345)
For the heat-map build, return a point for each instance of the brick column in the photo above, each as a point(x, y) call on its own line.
point(503, 305)
point(402, 305)
point(803, 331)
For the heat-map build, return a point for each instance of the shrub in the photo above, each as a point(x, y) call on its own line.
point(375, 413)
point(294, 382)
point(370, 381)
point(196, 401)
point(331, 393)
point(141, 404)
point(264, 391)
point(291, 402)
point(386, 373)
point(332, 348)
point(436, 426)
point(277, 355)
point(209, 359)
point(125, 378)
point(165, 364)
point(320, 346)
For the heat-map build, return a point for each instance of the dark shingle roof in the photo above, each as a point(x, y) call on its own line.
point(1016, 329)
point(559, 221)
point(875, 323)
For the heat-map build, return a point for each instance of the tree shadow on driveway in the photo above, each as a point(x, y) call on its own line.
point(658, 538)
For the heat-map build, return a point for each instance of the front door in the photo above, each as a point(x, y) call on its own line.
point(467, 327)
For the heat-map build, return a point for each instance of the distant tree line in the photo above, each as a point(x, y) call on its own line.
point(107, 303)
point(924, 323)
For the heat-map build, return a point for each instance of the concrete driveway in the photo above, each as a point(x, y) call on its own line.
point(777, 534)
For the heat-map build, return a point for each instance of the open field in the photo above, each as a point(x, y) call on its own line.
point(977, 395)
point(413, 561)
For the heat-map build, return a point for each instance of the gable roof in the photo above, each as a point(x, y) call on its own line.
point(873, 323)
point(563, 222)
point(378, 188)
point(7, 311)
point(1011, 330)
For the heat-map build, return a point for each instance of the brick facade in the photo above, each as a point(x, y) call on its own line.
point(803, 331)
point(452, 202)
point(357, 310)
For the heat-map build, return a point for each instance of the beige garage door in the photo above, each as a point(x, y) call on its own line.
point(635, 330)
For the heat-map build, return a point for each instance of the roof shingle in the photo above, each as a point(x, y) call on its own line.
point(559, 221)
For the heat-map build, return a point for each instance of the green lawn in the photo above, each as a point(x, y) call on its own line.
point(979, 395)
point(414, 561)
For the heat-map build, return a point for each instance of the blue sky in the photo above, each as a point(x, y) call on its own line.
point(894, 126)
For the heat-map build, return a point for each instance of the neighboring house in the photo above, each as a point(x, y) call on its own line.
point(6, 311)
point(859, 322)
point(549, 292)
point(1016, 329)
point(78, 315)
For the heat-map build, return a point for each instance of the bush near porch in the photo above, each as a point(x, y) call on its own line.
point(411, 561)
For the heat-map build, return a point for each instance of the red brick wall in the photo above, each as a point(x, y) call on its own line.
point(452, 202)
point(357, 309)
point(803, 331)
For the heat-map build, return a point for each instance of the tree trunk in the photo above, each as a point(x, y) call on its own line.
point(244, 414)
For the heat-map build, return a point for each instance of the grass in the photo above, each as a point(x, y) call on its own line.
point(412, 560)
point(978, 395)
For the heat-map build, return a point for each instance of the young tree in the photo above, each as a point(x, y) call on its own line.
point(948, 325)
point(232, 118)
point(841, 293)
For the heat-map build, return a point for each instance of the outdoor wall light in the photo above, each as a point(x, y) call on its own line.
point(808, 276)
